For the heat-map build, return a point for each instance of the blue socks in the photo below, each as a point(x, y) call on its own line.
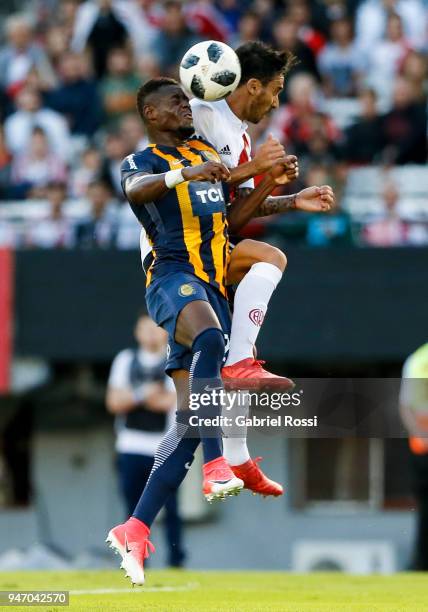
point(174, 454)
point(173, 459)
point(208, 352)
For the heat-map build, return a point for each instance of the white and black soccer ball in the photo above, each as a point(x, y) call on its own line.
point(210, 70)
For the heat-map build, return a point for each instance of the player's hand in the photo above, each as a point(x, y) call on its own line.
point(268, 154)
point(315, 199)
point(285, 172)
point(209, 171)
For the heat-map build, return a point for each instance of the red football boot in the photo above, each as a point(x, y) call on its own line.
point(131, 541)
point(255, 480)
point(249, 374)
point(219, 480)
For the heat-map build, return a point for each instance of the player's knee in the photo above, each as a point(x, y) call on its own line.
point(275, 256)
point(211, 343)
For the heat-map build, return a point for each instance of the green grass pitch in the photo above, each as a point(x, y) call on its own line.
point(188, 591)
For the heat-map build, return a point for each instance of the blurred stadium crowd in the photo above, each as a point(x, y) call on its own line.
point(354, 110)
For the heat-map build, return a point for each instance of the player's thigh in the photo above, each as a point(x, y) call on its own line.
point(249, 252)
point(194, 318)
point(182, 388)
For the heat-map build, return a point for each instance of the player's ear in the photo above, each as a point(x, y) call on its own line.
point(254, 86)
point(150, 112)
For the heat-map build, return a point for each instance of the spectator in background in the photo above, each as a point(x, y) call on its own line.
point(268, 11)
point(141, 396)
point(249, 28)
point(142, 19)
point(115, 151)
point(404, 127)
point(99, 26)
point(67, 14)
point(209, 23)
point(85, 173)
point(340, 62)
point(132, 131)
point(119, 85)
point(55, 231)
point(372, 15)
point(299, 125)
point(76, 97)
point(99, 230)
point(34, 169)
point(301, 13)
point(390, 230)
point(286, 37)
point(415, 70)
point(363, 140)
point(335, 228)
point(20, 55)
point(231, 10)
point(173, 39)
point(386, 56)
point(56, 43)
point(30, 114)
point(5, 159)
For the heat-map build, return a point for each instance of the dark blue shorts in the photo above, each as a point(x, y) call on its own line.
point(167, 295)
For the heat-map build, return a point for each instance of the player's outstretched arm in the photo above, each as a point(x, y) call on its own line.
point(142, 188)
point(259, 203)
point(311, 199)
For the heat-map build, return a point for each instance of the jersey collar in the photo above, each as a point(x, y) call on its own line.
point(243, 125)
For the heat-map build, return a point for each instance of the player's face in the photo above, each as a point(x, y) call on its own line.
point(173, 111)
point(266, 100)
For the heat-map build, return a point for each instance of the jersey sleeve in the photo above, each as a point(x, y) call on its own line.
point(141, 162)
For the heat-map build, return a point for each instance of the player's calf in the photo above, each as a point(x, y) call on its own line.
point(263, 266)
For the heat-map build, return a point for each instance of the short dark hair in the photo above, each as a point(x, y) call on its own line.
point(150, 87)
point(262, 62)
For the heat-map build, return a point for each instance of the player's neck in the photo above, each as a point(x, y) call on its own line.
point(167, 139)
point(237, 105)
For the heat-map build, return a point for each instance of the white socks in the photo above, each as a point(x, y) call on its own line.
point(235, 450)
point(250, 306)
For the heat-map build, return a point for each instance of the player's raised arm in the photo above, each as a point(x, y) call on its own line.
point(259, 202)
point(142, 188)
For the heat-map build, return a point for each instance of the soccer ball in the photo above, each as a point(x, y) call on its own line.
point(210, 70)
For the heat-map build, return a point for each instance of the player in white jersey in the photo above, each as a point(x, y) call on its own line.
point(256, 266)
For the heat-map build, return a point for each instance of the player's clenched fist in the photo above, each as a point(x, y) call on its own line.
point(315, 199)
point(268, 154)
point(209, 171)
point(286, 171)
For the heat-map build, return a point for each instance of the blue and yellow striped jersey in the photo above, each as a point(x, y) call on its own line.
point(187, 227)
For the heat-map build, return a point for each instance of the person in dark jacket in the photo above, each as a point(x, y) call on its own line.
point(77, 96)
point(363, 140)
